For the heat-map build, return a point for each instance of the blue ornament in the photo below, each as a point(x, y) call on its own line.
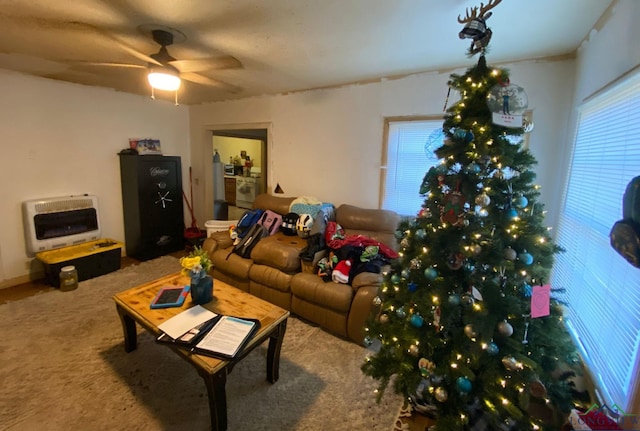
point(412, 287)
point(441, 168)
point(454, 299)
point(399, 234)
point(416, 320)
point(520, 201)
point(421, 234)
point(473, 168)
point(430, 273)
point(395, 279)
point(434, 141)
point(527, 290)
point(406, 273)
point(512, 213)
point(464, 385)
point(492, 349)
point(465, 135)
point(525, 258)
point(367, 341)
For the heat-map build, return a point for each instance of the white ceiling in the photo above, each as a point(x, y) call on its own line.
point(281, 45)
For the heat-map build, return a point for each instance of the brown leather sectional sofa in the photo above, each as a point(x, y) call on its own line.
point(274, 271)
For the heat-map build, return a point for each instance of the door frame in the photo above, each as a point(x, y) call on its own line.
point(207, 156)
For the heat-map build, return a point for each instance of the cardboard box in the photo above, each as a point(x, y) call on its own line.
point(91, 259)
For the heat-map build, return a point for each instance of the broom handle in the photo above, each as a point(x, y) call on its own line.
point(191, 185)
point(184, 195)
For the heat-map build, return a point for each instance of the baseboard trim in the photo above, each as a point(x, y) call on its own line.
point(26, 278)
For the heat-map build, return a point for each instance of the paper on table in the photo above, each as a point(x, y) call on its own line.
point(181, 323)
point(227, 336)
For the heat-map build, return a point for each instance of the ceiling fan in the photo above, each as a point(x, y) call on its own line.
point(164, 72)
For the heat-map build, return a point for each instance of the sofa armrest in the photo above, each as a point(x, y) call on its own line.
point(366, 279)
point(362, 307)
point(216, 241)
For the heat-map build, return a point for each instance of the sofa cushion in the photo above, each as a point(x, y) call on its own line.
point(267, 276)
point(330, 295)
point(231, 263)
point(279, 251)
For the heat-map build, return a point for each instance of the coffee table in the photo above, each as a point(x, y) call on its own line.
point(133, 307)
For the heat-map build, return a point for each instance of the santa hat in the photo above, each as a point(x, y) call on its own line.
point(340, 273)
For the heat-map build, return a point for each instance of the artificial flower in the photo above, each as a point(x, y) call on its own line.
point(195, 262)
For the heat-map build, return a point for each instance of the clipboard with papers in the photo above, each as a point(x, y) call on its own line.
point(207, 333)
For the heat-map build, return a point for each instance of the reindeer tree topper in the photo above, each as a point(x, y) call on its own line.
point(476, 28)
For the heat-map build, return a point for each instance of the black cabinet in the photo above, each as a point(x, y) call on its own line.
point(152, 205)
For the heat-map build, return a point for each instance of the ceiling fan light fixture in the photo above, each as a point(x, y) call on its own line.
point(164, 78)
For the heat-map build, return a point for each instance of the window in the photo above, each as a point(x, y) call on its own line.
point(603, 290)
point(407, 155)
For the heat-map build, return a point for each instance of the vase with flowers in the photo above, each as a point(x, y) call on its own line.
point(196, 265)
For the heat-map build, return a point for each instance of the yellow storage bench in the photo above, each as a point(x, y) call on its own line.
point(91, 259)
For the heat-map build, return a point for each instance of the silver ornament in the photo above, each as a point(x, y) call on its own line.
point(415, 263)
point(510, 254)
point(413, 350)
point(483, 200)
point(467, 300)
point(510, 363)
point(505, 329)
point(469, 331)
point(377, 301)
point(441, 394)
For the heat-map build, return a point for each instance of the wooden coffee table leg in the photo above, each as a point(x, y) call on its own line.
point(217, 398)
point(129, 328)
point(273, 352)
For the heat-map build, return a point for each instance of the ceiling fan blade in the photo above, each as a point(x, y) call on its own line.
point(125, 46)
point(202, 64)
point(205, 80)
point(103, 64)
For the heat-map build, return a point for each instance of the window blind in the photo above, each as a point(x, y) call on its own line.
point(410, 154)
point(602, 289)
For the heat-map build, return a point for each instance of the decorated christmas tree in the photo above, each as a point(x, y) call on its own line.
point(467, 326)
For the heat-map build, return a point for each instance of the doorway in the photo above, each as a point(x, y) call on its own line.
point(238, 149)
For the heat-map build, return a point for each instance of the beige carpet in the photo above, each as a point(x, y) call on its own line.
point(63, 367)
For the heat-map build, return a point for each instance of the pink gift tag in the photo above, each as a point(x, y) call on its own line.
point(540, 297)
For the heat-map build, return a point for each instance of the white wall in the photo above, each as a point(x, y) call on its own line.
point(59, 139)
point(328, 143)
